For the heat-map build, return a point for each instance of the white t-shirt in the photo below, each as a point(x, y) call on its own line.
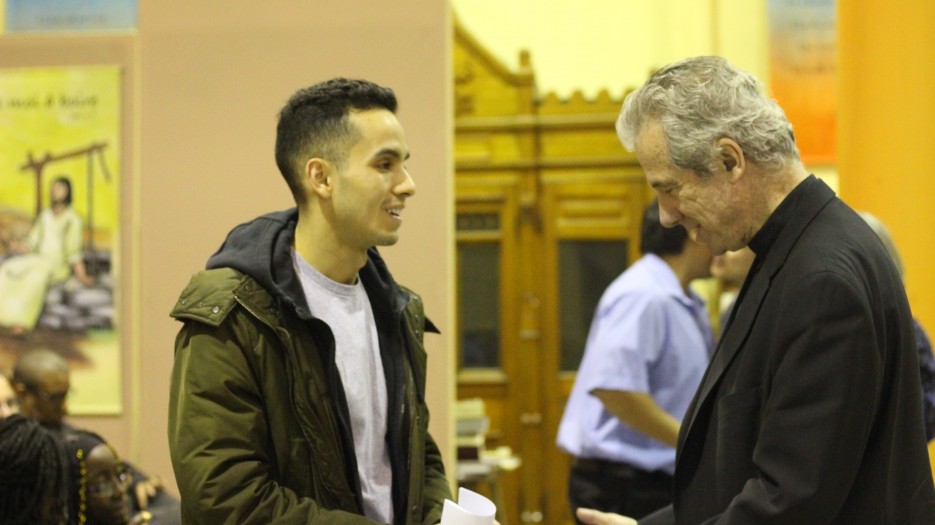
point(346, 309)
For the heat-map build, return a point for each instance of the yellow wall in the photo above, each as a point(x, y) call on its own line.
point(886, 122)
point(615, 44)
point(887, 128)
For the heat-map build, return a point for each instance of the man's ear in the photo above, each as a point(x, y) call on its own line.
point(318, 176)
point(731, 157)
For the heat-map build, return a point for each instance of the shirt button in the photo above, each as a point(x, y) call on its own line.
point(215, 310)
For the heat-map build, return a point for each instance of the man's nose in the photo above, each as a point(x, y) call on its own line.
point(668, 215)
point(405, 186)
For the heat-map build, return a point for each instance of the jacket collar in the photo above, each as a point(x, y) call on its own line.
point(261, 248)
point(781, 232)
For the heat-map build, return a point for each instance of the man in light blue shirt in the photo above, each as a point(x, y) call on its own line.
point(646, 353)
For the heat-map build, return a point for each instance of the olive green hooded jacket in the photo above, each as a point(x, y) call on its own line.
point(259, 430)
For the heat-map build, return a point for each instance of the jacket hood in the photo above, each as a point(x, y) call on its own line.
point(262, 249)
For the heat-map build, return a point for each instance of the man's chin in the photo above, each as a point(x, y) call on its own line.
point(387, 240)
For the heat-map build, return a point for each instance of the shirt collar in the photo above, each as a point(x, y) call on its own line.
point(781, 216)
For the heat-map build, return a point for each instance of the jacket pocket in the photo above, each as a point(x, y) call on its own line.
point(297, 473)
point(738, 421)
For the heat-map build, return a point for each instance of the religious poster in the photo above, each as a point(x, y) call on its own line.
point(802, 73)
point(59, 225)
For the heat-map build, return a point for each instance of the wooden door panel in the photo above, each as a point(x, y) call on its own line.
point(542, 180)
point(486, 217)
point(525, 392)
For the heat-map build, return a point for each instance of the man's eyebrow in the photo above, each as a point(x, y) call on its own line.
point(662, 184)
point(392, 152)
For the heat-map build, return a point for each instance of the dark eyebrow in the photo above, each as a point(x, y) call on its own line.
point(390, 152)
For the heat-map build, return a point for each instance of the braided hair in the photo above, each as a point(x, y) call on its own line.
point(33, 474)
point(78, 446)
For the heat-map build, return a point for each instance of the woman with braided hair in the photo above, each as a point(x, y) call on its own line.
point(33, 474)
point(99, 482)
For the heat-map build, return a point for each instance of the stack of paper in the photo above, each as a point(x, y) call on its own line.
point(471, 509)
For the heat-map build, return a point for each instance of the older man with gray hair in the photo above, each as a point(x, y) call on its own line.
point(810, 411)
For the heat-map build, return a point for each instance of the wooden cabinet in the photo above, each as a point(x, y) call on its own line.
point(548, 214)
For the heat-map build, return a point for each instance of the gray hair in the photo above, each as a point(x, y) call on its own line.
point(701, 100)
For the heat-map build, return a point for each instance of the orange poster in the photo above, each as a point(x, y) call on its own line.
point(802, 72)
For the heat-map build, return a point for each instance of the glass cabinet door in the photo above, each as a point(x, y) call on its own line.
point(585, 269)
point(479, 304)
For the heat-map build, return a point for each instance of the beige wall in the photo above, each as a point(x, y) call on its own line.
point(206, 81)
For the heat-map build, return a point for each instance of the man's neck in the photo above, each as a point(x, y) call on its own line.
point(781, 184)
point(775, 186)
point(321, 249)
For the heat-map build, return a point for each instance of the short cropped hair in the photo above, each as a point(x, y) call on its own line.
point(656, 238)
point(701, 100)
point(314, 123)
point(32, 364)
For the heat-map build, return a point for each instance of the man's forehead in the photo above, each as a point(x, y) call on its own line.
point(54, 380)
point(650, 133)
point(380, 134)
point(365, 117)
point(382, 149)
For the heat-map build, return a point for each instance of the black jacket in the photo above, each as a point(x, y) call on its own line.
point(810, 411)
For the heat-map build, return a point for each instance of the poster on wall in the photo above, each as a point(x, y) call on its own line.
point(59, 225)
point(70, 15)
point(802, 62)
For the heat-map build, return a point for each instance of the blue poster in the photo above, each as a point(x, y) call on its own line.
point(26, 16)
